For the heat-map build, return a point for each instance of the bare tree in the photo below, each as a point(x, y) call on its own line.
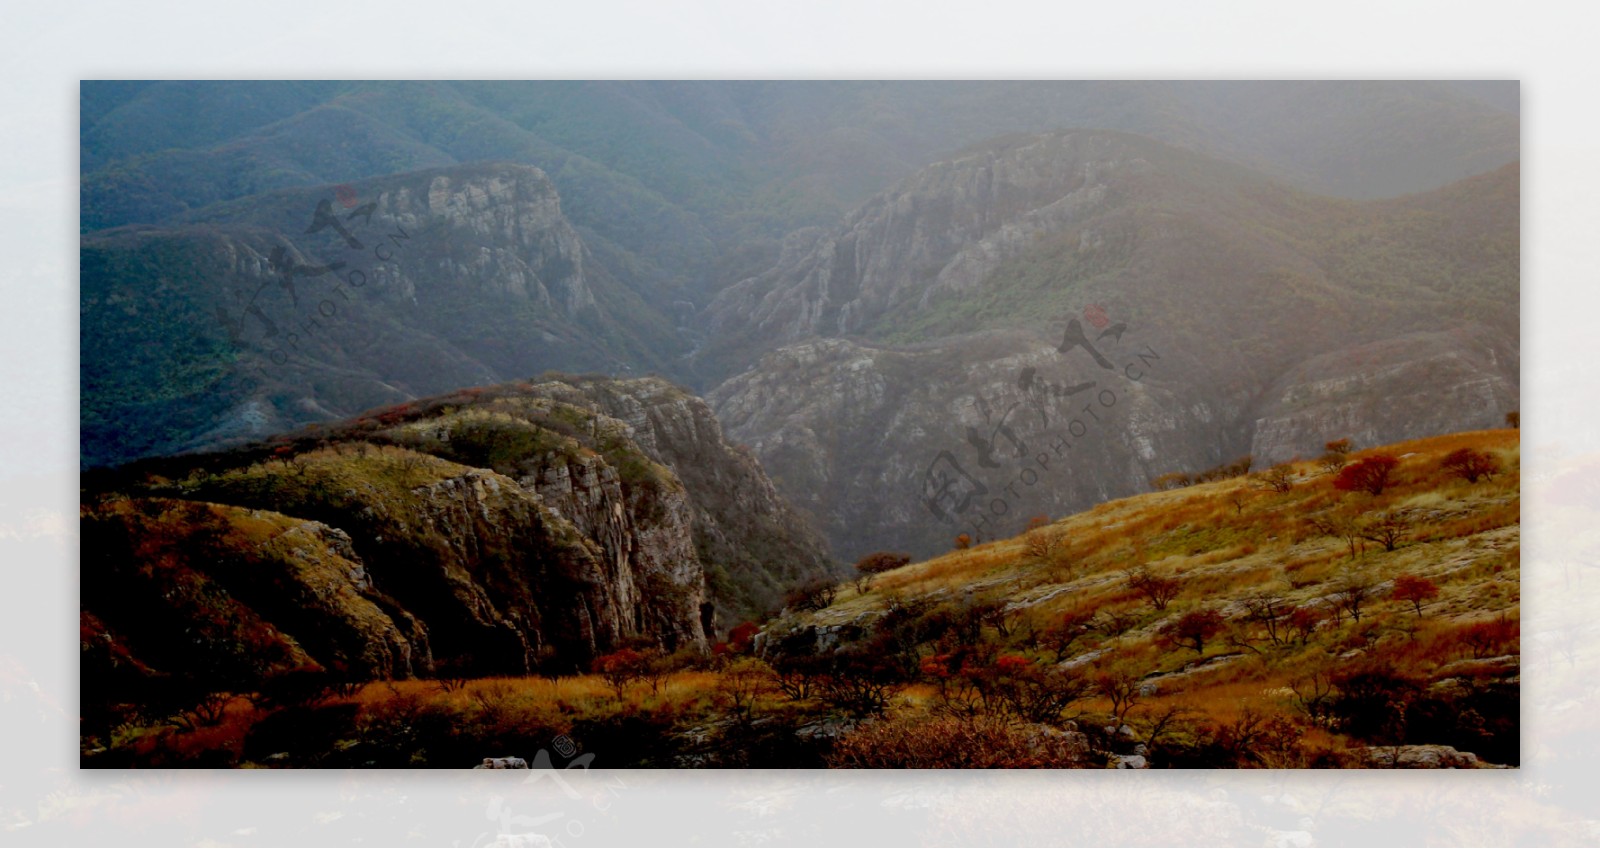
point(1334, 525)
point(1352, 592)
point(408, 463)
point(1279, 478)
point(1470, 465)
point(1114, 623)
point(743, 682)
point(876, 564)
point(1387, 529)
point(1160, 720)
point(1041, 541)
point(1156, 589)
point(1269, 611)
point(1313, 696)
point(1121, 688)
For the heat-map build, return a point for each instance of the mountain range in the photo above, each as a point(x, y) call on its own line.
point(926, 308)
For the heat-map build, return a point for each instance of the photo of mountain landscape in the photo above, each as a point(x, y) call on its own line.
point(1063, 424)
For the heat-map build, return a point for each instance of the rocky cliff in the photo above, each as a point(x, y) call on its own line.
point(492, 531)
point(752, 542)
point(1422, 383)
point(1156, 310)
point(254, 316)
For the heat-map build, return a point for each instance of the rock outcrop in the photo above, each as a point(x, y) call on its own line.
point(1388, 391)
point(752, 542)
point(1045, 322)
point(259, 315)
point(502, 530)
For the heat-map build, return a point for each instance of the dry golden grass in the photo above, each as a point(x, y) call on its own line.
point(1464, 537)
point(1197, 526)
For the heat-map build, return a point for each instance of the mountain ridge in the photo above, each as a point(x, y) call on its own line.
point(1076, 237)
point(493, 531)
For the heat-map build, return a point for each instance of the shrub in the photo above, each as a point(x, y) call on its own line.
point(1041, 541)
point(972, 680)
point(860, 683)
point(1369, 702)
point(882, 561)
point(1279, 478)
point(1387, 529)
point(815, 594)
point(799, 676)
point(741, 637)
point(1059, 637)
point(621, 668)
point(1487, 639)
point(1469, 464)
point(1370, 475)
point(1415, 590)
point(1237, 469)
point(876, 564)
point(744, 682)
point(1171, 480)
point(1303, 622)
point(984, 742)
point(1158, 590)
point(1031, 692)
point(1193, 629)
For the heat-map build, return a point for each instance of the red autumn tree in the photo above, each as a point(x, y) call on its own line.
point(1370, 475)
point(1470, 464)
point(620, 668)
point(1415, 590)
point(740, 637)
point(1194, 628)
point(882, 561)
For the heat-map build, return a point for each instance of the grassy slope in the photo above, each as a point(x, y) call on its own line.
point(1464, 537)
point(1367, 270)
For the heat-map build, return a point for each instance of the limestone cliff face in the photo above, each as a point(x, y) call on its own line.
point(504, 530)
point(906, 448)
point(753, 544)
point(908, 361)
point(523, 249)
point(263, 314)
point(1389, 391)
point(648, 575)
point(941, 231)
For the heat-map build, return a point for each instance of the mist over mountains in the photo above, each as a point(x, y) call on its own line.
point(860, 276)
